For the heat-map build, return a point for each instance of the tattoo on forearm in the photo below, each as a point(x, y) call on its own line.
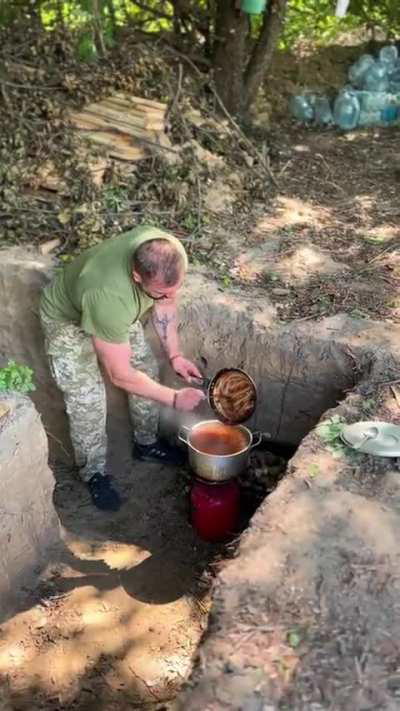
point(161, 323)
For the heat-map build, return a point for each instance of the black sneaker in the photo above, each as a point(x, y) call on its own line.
point(104, 496)
point(159, 452)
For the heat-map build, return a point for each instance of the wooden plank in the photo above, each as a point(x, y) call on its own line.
point(121, 120)
point(103, 110)
point(120, 149)
point(136, 114)
point(93, 122)
point(135, 108)
point(138, 101)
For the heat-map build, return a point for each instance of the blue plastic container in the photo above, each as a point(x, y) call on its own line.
point(358, 69)
point(346, 110)
point(389, 54)
point(372, 101)
point(369, 118)
point(301, 107)
point(390, 113)
point(376, 77)
point(253, 7)
point(322, 111)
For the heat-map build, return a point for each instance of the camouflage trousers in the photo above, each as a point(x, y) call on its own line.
point(75, 368)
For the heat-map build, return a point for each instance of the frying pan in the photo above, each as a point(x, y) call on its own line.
point(231, 394)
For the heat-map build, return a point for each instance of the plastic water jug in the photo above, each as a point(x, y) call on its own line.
point(371, 101)
point(390, 113)
point(389, 54)
point(346, 110)
point(376, 77)
point(301, 108)
point(394, 78)
point(369, 118)
point(323, 112)
point(359, 68)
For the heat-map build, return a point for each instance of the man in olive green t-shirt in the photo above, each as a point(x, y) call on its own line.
point(91, 313)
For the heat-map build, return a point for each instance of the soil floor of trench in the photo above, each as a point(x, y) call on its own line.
point(115, 623)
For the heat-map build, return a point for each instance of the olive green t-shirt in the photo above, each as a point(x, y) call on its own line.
point(96, 290)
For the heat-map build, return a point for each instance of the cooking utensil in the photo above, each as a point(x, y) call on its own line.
point(213, 434)
point(231, 394)
point(373, 437)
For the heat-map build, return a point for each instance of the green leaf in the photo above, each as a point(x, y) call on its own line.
point(86, 48)
point(16, 378)
point(64, 216)
point(294, 639)
point(313, 470)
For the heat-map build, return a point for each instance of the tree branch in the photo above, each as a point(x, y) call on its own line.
point(152, 10)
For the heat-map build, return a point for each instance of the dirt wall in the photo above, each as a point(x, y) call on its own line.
point(29, 528)
point(23, 273)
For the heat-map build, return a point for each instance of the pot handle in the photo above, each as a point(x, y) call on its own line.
point(256, 436)
point(182, 431)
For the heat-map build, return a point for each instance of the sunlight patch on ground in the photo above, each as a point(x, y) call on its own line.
point(291, 212)
point(381, 234)
point(297, 267)
point(118, 556)
point(143, 645)
point(364, 204)
point(250, 266)
point(306, 262)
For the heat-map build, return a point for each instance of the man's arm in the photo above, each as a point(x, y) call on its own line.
point(165, 321)
point(115, 358)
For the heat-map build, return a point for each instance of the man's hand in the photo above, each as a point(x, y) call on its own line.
point(185, 368)
point(188, 398)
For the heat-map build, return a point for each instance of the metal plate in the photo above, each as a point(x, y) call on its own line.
point(232, 395)
point(373, 437)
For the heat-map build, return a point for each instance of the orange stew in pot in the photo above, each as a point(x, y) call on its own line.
point(218, 439)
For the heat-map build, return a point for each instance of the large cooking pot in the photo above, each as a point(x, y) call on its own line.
point(218, 452)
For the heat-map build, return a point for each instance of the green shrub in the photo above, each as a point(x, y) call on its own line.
point(16, 377)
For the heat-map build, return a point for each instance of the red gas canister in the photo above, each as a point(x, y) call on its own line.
point(215, 509)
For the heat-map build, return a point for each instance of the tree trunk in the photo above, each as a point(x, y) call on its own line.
point(98, 28)
point(229, 55)
point(111, 12)
point(264, 49)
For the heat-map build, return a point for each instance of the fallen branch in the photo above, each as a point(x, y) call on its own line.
point(178, 92)
point(231, 120)
point(250, 145)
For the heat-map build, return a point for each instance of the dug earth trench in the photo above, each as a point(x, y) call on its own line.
point(305, 616)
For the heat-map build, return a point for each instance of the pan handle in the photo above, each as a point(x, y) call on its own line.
point(201, 382)
point(182, 431)
point(256, 439)
point(205, 382)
